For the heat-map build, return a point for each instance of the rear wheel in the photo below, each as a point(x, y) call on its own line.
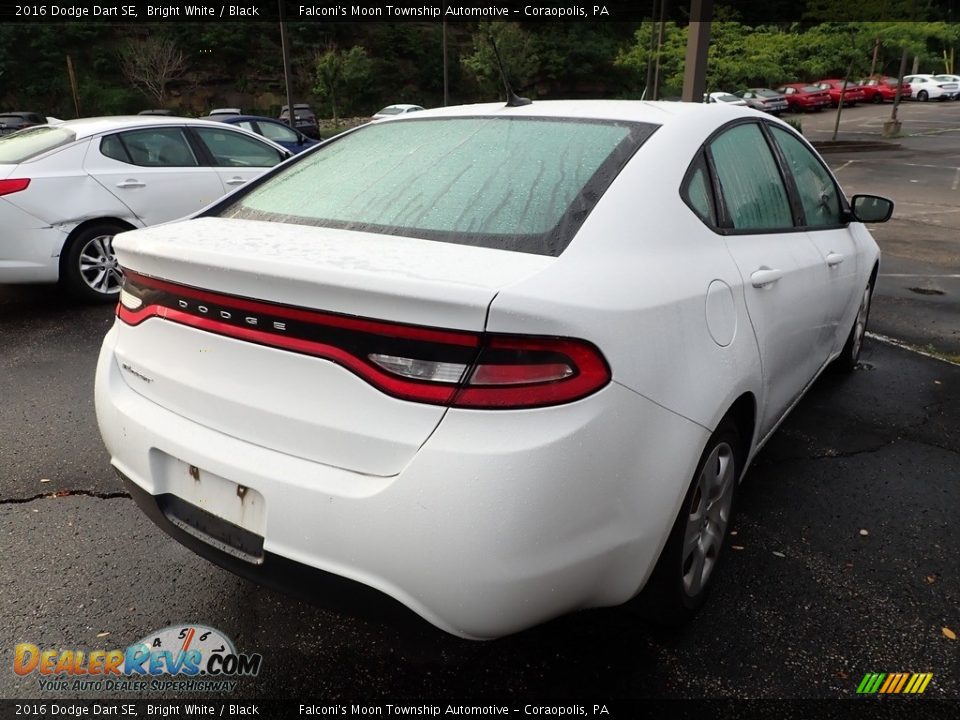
point(681, 581)
point(89, 268)
point(923, 96)
point(850, 355)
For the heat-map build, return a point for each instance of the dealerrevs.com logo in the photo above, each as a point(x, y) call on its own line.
point(191, 658)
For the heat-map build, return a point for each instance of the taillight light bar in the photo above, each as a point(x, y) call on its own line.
point(422, 364)
point(13, 185)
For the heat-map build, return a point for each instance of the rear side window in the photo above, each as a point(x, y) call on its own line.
point(696, 191)
point(523, 184)
point(25, 144)
point(750, 181)
point(153, 147)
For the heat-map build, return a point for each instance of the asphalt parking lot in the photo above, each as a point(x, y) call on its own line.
point(843, 563)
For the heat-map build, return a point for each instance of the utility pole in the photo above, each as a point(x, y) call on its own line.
point(698, 42)
point(446, 87)
point(285, 50)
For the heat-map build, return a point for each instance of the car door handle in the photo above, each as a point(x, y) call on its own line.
point(834, 259)
point(235, 181)
point(765, 276)
point(131, 183)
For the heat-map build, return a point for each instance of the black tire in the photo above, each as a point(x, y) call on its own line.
point(923, 96)
point(88, 265)
point(850, 355)
point(877, 99)
point(675, 590)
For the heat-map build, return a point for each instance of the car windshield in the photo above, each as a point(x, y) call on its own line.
point(523, 184)
point(767, 93)
point(945, 78)
point(28, 143)
point(726, 97)
point(391, 110)
point(815, 88)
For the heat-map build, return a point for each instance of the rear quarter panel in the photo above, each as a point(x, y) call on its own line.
point(634, 282)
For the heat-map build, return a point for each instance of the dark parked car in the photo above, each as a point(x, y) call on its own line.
point(765, 99)
point(13, 121)
point(305, 120)
point(804, 97)
point(281, 133)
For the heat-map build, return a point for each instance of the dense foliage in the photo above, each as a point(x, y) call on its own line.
point(359, 67)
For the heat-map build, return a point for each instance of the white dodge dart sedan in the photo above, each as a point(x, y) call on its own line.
point(493, 363)
point(66, 190)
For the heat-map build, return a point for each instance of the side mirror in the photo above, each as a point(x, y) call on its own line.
point(871, 208)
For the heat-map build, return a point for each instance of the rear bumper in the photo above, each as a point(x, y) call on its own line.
point(29, 249)
point(501, 521)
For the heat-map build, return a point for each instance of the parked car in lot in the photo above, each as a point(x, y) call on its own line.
point(281, 133)
point(851, 93)
point(305, 120)
point(803, 97)
point(882, 89)
point(949, 79)
point(724, 97)
point(66, 190)
point(10, 122)
point(927, 87)
point(765, 99)
point(394, 110)
point(496, 363)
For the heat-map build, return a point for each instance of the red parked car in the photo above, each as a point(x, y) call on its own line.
point(852, 94)
point(803, 97)
point(881, 88)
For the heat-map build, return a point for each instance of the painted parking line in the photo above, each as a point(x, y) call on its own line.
point(956, 180)
point(918, 275)
point(909, 348)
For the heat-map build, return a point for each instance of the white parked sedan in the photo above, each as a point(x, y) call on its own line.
point(495, 363)
point(931, 87)
point(394, 110)
point(67, 189)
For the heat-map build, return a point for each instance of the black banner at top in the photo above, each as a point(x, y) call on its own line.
point(748, 11)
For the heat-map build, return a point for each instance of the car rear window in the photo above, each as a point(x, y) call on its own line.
point(30, 142)
point(522, 184)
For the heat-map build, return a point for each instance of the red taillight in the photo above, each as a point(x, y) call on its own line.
point(421, 364)
point(13, 186)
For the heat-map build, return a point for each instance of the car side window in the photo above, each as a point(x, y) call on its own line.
point(231, 149)
point(750, 181)
point(697, 193)
point(818, 192)
point(154, 147)
point(246, 125)
point(277, 132)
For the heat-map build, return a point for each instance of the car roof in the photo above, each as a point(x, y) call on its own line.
point(657, 112)
point(87, 127)
point(91, 127)
point(233, 119)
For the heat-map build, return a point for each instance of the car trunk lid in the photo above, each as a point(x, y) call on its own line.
point(269, 390)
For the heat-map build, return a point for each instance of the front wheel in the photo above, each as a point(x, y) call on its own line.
point(89, 268)
point(850, 355)
point(684, 574)
point(923, 96)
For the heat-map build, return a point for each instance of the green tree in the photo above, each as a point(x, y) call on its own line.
point(517, 49)
point(339, 71)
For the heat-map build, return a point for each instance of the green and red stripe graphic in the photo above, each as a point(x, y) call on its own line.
point(902, 683)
